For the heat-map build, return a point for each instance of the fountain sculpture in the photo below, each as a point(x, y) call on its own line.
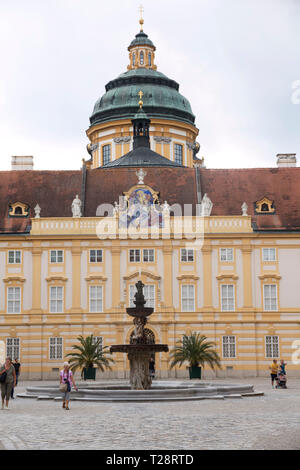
point(140, 348)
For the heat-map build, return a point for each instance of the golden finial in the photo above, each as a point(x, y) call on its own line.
point(141, 94)
point(141, 10)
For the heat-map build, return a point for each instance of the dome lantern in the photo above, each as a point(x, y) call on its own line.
point(141, 51)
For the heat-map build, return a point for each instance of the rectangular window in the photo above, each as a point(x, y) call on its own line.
point(134, 256)
point(270, 297)
point(95, 256)
point(228, 346)
point(272, 346)
point(188, 298)
point(13, 348)
point(14, 257)
point(100, 345)
point(186, 255)
point(178, 153)
point(14, 299)
point(56, 348)
point(226, 254)
point(56, 299)
point(96, 300)
point(56, 256)
point(269, 254)
point(227, 298)
point(106, 154)
point(148, 256)
point(149, 294)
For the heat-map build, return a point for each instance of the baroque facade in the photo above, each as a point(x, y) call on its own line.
point(217, 249)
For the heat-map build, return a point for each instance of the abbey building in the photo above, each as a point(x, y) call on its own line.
point(217, 249)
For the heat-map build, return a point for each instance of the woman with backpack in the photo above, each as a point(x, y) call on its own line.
point(66, 381)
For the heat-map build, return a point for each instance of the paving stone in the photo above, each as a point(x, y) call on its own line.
point(267, 421)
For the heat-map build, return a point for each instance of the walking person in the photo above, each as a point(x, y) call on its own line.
point(17, 367)
point(9, 382)
point(274, 371)
point(152, 368)
point(66, 380)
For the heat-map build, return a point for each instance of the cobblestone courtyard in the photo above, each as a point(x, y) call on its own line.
point(271, 421)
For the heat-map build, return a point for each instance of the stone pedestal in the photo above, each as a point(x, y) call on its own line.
point(139, 370)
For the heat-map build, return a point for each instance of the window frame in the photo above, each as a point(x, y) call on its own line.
point(176, 160)
point(226, 260)
point(267, 259)
point(96, 299)
point(228, 345)
point(56, 299)
point(270, 298)
point(135, 253)
point(14, 257)
point(56, 347)
point(104, 153)
point(149, 260)
point(14, 300)
point(188, 298)
point(272, 344)
point(56, 256)
point(223, 298)
point(142, 58)
point(95, 339)
point(96, 255)
point(14, 348)
point(187, 250)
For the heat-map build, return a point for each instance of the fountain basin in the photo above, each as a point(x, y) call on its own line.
point(140, 347)
point(160, 391)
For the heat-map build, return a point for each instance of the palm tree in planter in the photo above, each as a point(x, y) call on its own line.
point(197, 351)
point(89, 354)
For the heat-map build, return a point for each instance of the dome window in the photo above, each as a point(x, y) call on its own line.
point(133, 59)
point(142, 58)
point(149, 59)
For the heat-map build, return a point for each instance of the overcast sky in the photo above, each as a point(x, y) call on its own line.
point(237, 62)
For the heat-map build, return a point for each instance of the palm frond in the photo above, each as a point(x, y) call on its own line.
point(88, 354)
point(196, 350)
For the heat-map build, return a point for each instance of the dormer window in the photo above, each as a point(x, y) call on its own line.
point(141, 58)
point(264, 206)
point(18, 209)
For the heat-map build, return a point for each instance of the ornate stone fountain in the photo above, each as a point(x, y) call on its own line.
point(140, 348)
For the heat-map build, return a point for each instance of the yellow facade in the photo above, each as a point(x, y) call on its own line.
point(249, 322)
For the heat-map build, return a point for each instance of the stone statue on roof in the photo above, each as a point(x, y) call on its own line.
point(37, 212)
point(244, 208)
point(76, 207)
point(206, 206)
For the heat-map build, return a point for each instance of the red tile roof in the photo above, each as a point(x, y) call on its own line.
point(229, 188)
point(54, 191)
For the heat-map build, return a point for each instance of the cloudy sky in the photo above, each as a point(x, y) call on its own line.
point(236, 61)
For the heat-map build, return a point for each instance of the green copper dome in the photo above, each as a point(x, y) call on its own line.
point(160, 96)
point(141, 39)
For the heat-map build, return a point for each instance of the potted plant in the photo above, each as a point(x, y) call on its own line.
point(88, 357)
point(197, 351)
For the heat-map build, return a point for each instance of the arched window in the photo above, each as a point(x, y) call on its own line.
point(133, 59)
point(149, 59)
point(142, 58)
